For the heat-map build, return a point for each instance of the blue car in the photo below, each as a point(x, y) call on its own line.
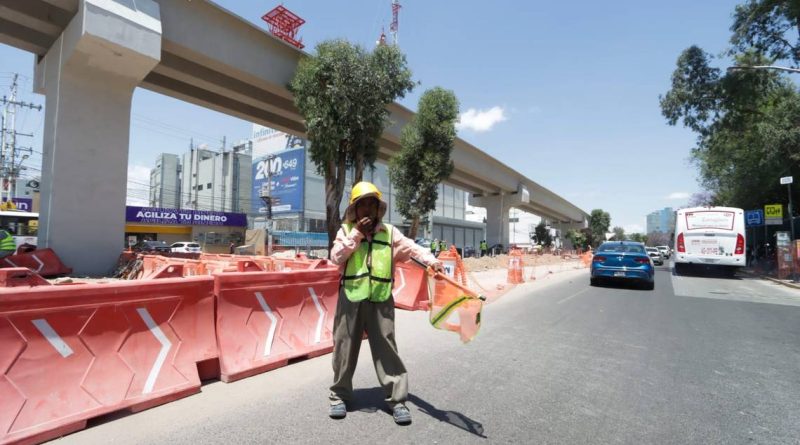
point(622, 260)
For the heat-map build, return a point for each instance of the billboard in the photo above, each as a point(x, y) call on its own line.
point(23, 204)
point(287, 171)
point(157, 215)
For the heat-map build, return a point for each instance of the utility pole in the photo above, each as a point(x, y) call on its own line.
point(788, 181)
point(9, 170)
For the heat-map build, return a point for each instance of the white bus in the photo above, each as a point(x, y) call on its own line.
point(710, 236)
point(23, 226)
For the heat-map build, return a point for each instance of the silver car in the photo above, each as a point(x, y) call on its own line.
point(664, 251)
point(655, 255)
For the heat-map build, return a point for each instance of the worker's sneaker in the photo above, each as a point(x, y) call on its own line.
point(338, 411)
point(401, 414)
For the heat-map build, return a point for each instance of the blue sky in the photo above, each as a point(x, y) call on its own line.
point(564, 92)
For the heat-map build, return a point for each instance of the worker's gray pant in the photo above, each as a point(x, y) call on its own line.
point(349, 324)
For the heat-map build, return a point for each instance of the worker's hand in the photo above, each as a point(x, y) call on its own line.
point(437, 266)
point(364, 225)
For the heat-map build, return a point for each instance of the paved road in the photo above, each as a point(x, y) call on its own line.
point(698, 360)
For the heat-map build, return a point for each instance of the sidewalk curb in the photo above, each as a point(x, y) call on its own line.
point(787, 284)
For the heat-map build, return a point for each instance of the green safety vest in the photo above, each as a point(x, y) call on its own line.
point(368, 273)
point(442, 245)
point(484, 246)
point(7, 241)
point(434, 245)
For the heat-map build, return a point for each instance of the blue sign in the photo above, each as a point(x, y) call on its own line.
point(287, 171)
point(186, 217)
point(754, 217)
point(23, 204)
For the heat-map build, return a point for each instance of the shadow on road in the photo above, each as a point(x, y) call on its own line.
point(706, 271)
point(371, 400)
point(454, 418)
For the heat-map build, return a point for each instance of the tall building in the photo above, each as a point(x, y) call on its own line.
point(165, 182)
point(218, 181)
point(661, 221)
point(298, 192)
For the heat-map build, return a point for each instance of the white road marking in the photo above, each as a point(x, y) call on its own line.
point(318, 335)
point(162, 354)
point(55, 340)
point(272, 326)
point(572, 296)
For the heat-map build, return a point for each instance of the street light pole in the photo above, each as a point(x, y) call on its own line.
point(788, 181)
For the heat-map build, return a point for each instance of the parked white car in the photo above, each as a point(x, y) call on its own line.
point(664, 251)
point(185, 247)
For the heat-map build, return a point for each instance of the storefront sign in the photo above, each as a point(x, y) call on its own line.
point(774, 214)
point(23, 204)
point(286, 169)
point(183, 217)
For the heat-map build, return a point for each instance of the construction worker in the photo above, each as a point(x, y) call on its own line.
point(7, 244)
point(442, 245)
point(484, 248)
point(366, 250)
point(435, 247)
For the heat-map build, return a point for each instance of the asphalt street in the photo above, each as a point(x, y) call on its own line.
point(699, 360)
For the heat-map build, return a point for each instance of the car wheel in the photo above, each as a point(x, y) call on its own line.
point(680, 268)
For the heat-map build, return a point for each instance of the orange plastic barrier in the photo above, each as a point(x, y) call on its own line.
point(410, 289)
point(453, 266)
point(515, 267)
point(77, 351)
point(264, 319)
point(586, 259)
point(44, 262)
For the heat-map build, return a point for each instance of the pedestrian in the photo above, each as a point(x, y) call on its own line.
point(484, 248)
point(366, 251)
point(442, 245)
point(7, 244)
point(435, 247)
point(232, 248)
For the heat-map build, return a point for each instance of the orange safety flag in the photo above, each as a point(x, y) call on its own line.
point(454, 307)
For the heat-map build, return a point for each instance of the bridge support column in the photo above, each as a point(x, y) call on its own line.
point(88, 77)
point(565, 226)
point(497, 219)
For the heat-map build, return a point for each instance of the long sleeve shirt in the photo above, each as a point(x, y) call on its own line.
point(403, 248)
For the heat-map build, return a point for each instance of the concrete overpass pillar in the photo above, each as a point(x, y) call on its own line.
point(565, 226)
point(88, 77)
point(497, 219)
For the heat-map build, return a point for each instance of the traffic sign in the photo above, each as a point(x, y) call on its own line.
point(787, 180)
point(774, 214)
point(754, 217)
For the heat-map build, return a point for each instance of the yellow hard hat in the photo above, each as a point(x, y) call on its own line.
point(363, 189)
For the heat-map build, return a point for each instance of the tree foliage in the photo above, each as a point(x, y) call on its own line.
point(543, 236)
point(747, 122)
point(342, 92)
point(599, 222)
point(577, 238)
point(638, 237)
point(424, 160)
point(619, 233)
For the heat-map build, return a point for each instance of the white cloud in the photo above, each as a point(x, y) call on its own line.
point(481, 120)
point(678, 195)
point(138, 185)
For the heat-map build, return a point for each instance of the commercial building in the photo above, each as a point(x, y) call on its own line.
point(213, 230)
point(298, 192)
point(661, 221)
point(165, 182)
point(216, 180)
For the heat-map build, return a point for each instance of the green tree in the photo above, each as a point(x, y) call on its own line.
point(638, 237)
point(342, 92)
point(543, 236)
point(599, 222)
point(619, 233)
point(577, 238)
point(746, 120)
point(424, 160)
